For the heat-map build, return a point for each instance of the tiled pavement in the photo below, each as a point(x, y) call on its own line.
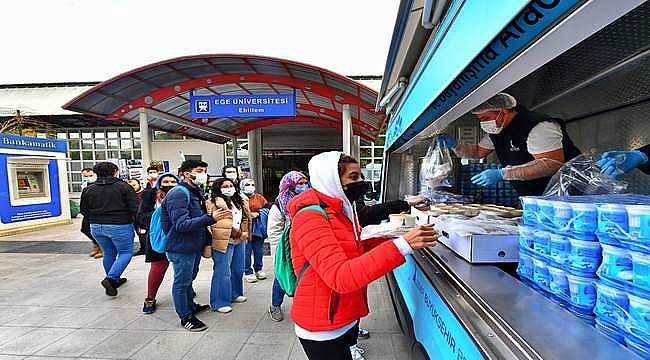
point(52, 307)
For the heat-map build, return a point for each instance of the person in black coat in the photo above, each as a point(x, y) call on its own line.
point(151, 200)
point(110, 205)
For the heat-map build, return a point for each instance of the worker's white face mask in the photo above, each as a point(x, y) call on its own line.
point(491, 126)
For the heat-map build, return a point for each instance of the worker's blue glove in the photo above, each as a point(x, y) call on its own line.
point(615, 163)
point(447, 140)
point(488, 177)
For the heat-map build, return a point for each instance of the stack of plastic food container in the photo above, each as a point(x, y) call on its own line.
point(501, 193)
point(592, 254)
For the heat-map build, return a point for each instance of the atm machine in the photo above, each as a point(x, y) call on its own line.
point(33, 184)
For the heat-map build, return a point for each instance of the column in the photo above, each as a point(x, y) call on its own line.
point(255, 157)
point(145, 138)
point(356, 147)
point(347, 129)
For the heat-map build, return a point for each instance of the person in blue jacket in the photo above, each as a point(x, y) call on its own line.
point(615, 163)
point(185, 225)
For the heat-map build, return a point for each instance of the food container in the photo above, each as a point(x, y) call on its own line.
point(526, 237)
point(585, 256)
point(639, 223)
point(585, 218)
point(525, 268)
point(542, 242)
point(562, 215)
point(611, 304)
point(639, 314)
point(612, 221)
point(531, 209)
point(617, 263)
point(641, 269)
point(583, 292)
point(540, 273)
point(546, 211)
point(560, 249)
point(558, 282)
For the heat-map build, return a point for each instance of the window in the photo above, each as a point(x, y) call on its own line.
point(125, 134)
point(163, 135)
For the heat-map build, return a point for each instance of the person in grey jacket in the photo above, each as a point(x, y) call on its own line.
point(292, 183)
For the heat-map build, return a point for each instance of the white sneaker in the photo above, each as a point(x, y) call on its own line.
point(240, 299)
point(260, 275)
point(224, 309)
point(250, 278)
point(357, 352)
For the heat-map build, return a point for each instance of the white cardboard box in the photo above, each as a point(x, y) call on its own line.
point(474, 248)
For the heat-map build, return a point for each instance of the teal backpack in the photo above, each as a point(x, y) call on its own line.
point(157, 236)
point(284, 273)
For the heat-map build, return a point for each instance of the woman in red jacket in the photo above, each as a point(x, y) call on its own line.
point(331, 295)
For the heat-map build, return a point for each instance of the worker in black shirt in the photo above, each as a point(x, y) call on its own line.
point(531, 146)
point(614, 163)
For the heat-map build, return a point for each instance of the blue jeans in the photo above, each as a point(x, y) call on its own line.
point(116, 242)
point(256, 247)
point(227, 276)
point(277, 296)
point(185, 266)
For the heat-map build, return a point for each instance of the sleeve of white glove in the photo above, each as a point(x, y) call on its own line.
point(535, 169)
point(403, 246)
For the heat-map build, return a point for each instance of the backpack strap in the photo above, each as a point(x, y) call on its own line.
point(184, 189)
point(320, 209)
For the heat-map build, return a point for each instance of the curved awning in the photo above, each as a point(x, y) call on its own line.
point(163, 90)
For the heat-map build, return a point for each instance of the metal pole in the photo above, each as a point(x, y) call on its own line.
point(255, 158)
point(235, 146)
point(356, 146)
point(145, 138)
point(347, 129)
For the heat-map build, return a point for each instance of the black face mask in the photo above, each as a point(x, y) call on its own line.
point(355, 190)
point(165, 189)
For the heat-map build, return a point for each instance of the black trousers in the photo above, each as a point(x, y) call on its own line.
point(335, 349)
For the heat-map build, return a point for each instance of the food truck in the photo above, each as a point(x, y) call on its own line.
point(584, 62)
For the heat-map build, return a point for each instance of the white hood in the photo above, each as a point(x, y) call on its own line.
point(324, 178)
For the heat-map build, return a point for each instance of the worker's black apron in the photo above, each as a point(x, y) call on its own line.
point(512, 149)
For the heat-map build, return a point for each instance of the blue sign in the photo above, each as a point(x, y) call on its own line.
point(236, 106)
point(9, 141)
point(451, 72)
point(12, 214)
point(435, 326)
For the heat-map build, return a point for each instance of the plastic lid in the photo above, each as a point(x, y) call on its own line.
point(529, 200)
point(610, 290)
point(539, 262)
point(639, 300)
point(584, 206)
point(576, 278)
point(555, 269)
point(583, 243)
point(614, 249)
point(638, 209)
point(561, 205)
point(636, 255)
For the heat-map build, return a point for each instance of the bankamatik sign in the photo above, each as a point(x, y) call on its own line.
point(237, 106)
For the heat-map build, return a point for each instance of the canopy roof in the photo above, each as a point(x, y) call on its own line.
point(162, 89)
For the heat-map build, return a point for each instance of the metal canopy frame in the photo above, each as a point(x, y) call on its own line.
point(163, 90)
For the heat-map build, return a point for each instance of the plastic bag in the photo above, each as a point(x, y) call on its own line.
point(437, 166)
point(582, 176)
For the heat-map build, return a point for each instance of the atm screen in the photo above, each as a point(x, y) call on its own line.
point(30, 183)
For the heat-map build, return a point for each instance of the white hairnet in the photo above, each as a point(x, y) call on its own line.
point(496, 103)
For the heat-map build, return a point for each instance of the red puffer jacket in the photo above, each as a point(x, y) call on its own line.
point(332, 292)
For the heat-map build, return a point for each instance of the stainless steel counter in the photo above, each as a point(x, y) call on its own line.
point(509, 319)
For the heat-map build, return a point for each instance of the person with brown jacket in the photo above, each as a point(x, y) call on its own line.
point(229, 238)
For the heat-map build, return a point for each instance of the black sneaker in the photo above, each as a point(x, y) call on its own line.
point(149, 306)
point(120, 282)
point(193, 324)
point(199, 308)
point(109, 285)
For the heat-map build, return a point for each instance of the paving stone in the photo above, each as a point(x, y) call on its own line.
point(122, 345)
point(33, 341)
point(218, 345)
point(76, 343)
point(169, 345)
point(8, 334)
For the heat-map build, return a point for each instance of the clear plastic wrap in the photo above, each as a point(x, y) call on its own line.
point(437, 166)
point(384, 230)
point(582, 176)
point(440, 197)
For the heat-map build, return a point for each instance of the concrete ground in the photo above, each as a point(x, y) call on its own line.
point(53, 307)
